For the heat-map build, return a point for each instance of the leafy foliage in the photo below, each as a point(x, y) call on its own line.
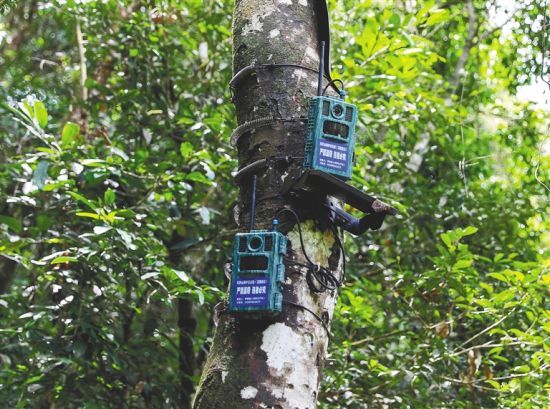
point(116, 197)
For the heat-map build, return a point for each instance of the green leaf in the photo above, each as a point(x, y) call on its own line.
point(514, 276)
point(181, 275)
point(70, 133)
point(33, 379)
point(198, 177)
point(26, 109)
point(109, 197)
point(186, 150)
point(461, 264)
point(94, 216)
point(63, 259)
point(499, 276)
point(82, 199)
point(12, 223)
point(494, 384)
point(504, 296)
point(186, 121)
point(40, 174)
point(438, 16)
point(40, 114)
point(200, 295)
point(424, 10)
point(445, 237)
point(93, 163)
point(468, 231)
point(486, 287)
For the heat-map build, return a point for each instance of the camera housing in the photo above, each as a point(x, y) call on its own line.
point(330, 138)
point(258, 272)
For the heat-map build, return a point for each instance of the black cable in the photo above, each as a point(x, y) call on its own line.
point(303, 307)
point(250, 68)
point(343, 251)
point(259, 123)
point(260, 164)
point(332, 82)
point(318, 278)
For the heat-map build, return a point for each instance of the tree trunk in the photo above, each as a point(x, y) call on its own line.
point(278, 362)
point(186, 325)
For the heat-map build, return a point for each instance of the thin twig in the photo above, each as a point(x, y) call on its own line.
point(489, 345)
point(539, 148)
point(543, 46)
point(82, 54)
point(373, 339)
point(490, 327)
point(491, 32)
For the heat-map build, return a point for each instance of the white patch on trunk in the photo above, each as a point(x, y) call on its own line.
point(289, 357)
point(249, 392)
point(312, 54)
point(288, 2)
point(224, 375)
point(274, 33)
point(330, 303)
point(299, 74)
point(317, 246)
point(278, 353)
point(302, 2)
point(256, 23)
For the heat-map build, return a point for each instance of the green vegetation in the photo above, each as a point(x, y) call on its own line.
point(116, 199)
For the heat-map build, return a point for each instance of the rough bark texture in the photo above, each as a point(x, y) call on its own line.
point(274, 363)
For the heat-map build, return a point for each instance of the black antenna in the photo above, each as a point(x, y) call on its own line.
point(321, 70)
point(253, 203)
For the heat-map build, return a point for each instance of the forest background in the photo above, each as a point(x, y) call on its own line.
point(116, 202)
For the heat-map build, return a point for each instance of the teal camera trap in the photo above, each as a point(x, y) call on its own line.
point(330, 138)
point(258, 269)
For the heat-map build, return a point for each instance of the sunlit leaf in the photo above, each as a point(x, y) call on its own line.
point(69, 134)
point(40, 114)
point(63, 259)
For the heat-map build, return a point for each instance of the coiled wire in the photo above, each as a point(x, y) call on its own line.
point(318, 278)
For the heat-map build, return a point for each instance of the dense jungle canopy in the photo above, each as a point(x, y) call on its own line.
point(117, 197)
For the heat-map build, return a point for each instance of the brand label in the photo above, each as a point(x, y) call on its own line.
point(332, 155)
point(251, 292)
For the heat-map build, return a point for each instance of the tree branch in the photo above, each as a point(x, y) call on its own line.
point(472, 30)
point(82, 55)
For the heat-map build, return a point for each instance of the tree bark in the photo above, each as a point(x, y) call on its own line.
point(277, 362)
point(186, 325)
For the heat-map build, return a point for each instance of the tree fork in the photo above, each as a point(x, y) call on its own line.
point(278, 362)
